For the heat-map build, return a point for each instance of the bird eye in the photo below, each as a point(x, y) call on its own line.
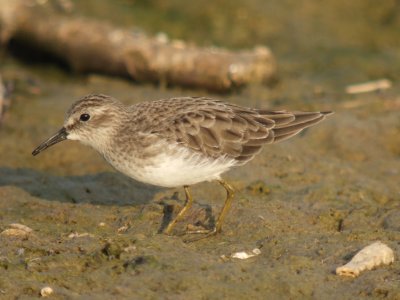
point(84, 117)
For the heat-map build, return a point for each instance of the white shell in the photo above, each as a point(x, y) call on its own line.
point(46, 291)
point(243, 254)
point(369, 257)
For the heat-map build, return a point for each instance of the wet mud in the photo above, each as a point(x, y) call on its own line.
point(309, 203)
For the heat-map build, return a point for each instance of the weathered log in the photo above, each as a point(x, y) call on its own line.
point(4, 99)
point(2, 92)
point(89, 45)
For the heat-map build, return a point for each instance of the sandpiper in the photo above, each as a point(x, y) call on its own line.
point(178, 141)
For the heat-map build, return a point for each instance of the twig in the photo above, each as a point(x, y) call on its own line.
point(369, 86)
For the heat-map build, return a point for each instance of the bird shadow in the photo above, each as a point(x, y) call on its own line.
point(105, 188)
point(201, 217)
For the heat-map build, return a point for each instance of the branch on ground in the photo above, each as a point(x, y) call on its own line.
point(89, 45)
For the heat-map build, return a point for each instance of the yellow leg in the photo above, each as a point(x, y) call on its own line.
point(228, 201)
point(230, 192)
point(188, 204)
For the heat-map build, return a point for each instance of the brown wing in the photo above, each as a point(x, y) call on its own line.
point(288, 124)
point(219, 128)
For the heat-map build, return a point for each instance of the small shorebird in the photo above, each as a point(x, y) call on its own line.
point(179, 141)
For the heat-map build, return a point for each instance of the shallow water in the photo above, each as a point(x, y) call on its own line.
point(309, 203)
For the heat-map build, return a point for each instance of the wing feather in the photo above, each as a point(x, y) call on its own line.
point(215, 128)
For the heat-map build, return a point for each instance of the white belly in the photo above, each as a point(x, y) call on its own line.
point(172, 168)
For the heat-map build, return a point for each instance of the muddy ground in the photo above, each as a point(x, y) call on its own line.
point(308, 203)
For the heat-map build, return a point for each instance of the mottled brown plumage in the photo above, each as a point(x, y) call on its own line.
point(215, 128)
point(178, 141)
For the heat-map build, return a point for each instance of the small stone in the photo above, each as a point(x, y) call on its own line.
point(73, 235)
point(14, 232)
point(17, 230)
point(162, 37)
point(20, 227)
point(123, 229)
point(129, 249)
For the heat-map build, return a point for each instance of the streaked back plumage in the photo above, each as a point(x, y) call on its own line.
point(215, 128)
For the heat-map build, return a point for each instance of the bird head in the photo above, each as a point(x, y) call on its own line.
point(90, 120)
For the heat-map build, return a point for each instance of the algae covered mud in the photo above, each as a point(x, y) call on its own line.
point(308, 204)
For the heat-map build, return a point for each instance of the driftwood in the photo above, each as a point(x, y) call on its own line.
point(89, 45)
point(2, 98)
point(5, 91)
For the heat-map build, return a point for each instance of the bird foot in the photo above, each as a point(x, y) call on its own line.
point(205, 234)
point(192, 228)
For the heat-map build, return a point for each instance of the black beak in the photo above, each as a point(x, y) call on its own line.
point(58, 137)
